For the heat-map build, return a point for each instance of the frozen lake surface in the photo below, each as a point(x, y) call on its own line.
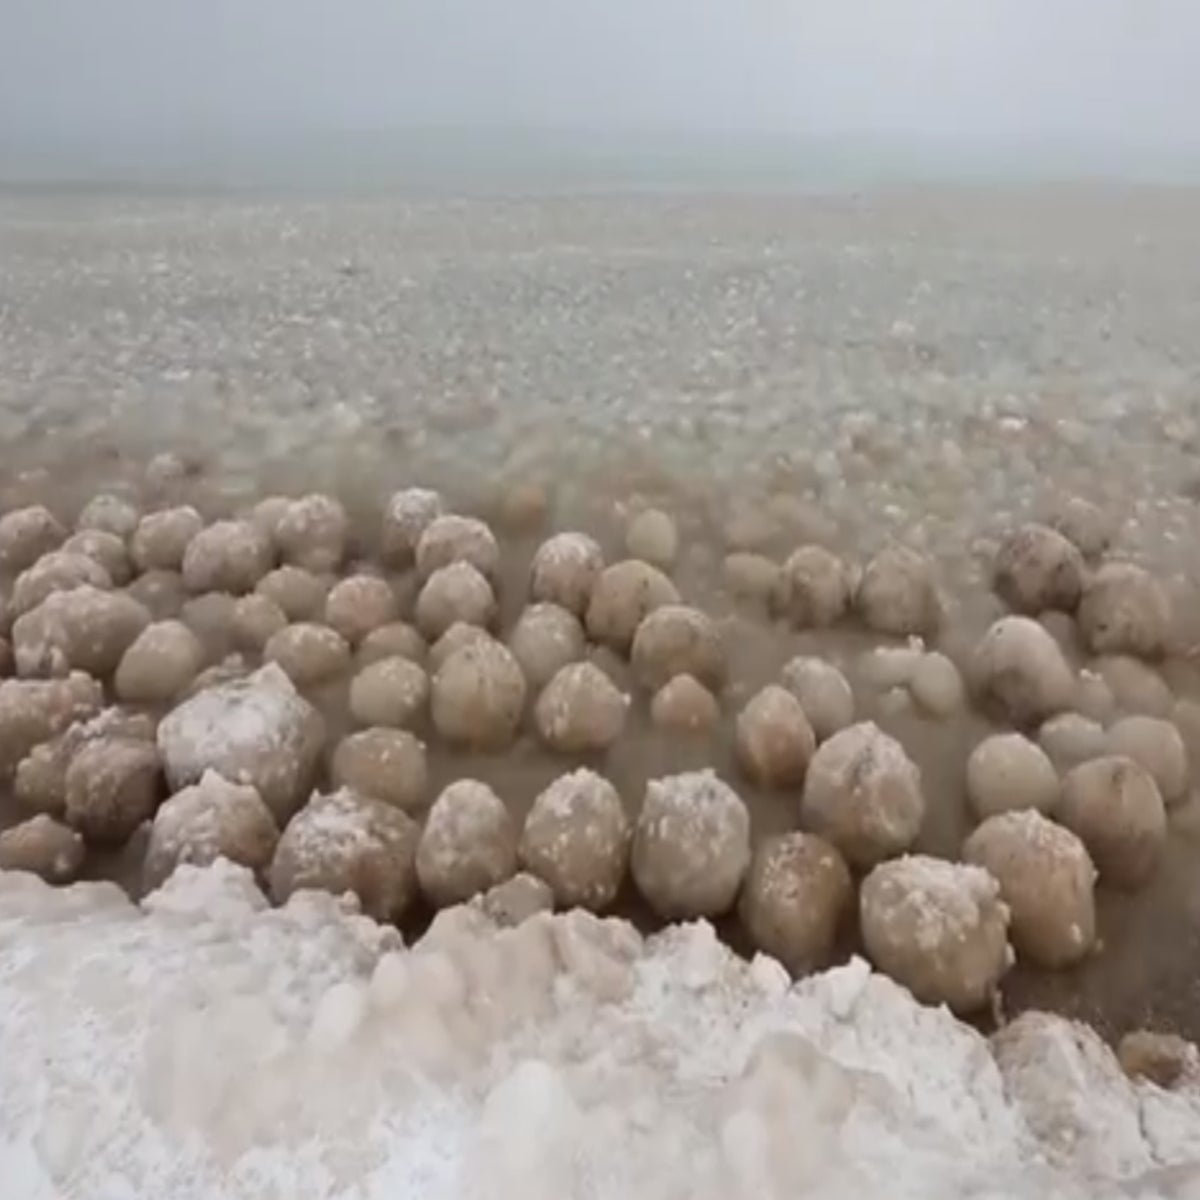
point(927, 366)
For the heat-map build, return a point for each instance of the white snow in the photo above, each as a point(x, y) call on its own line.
point(207, 1047)
point(257, 730)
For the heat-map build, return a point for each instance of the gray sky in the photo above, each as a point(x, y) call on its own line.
point(1110, 70)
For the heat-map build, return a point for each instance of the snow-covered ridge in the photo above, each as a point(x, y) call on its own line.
point(209, 1046)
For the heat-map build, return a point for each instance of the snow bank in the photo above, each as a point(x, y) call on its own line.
point(208, 1046)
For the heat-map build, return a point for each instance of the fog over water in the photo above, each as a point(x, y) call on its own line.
point(86, 86)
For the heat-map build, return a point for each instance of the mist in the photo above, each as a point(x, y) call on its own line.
point(1118, 75)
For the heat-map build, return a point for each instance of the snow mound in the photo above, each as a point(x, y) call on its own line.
point(207, 1046)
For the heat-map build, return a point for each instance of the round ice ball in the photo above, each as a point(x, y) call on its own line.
point(1156, 744)
point(677, 640)
point(460, 634)
point(385, 764)
point(397, 639)
point(58, 571)
point(457, 592)
point(564, 571)
point(309, 654)
point(1094, 697)
point(1134, 686)
point(938, 928)
point(1020, 673)
point(299, 593)
point(898, 594)
point(823, 691)
point(254, 621)
point(580, 710)
point(577, 838)
point(159, 664)
point(1083, 524)
point(863, 794)
point(652, 537)
point(344, 842)
point(228, 556)
point(266, 515)
point(107, 513)
point(452, 538)
point(391, 692)
point(105, 549)
point(211, 616)
point(773, 739)
point(1037, 568)
point(25, 535)
point(313, 532)
point(1115, 807)
point(1047, 880)
point(1071, 738)
point(623, 595)
point(796, 896)
point(937, 687)
point(684, 705)
point(86, 629)
point(691, 846)
point(42, 846)
point(112, 786)
point(468, 845)
point(478, 695)
point(813, 588)
point(161, 538)
point(359, 604)
point(208, 820)
point(1125, 610)
point(545, 639)
point(408, 514)
point(1007, 771)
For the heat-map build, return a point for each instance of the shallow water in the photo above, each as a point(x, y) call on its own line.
point(924, 365)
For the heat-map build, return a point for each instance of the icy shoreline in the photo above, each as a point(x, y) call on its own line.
point(209, 1046)
point(928, 368)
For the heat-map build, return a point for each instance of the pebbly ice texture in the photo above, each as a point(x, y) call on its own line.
point(225, 713)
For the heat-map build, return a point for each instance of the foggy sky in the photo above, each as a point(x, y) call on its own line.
point(1122, 71)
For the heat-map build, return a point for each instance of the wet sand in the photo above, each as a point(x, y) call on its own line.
point(927, 367)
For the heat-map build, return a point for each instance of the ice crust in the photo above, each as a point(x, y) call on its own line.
point(205, 1046)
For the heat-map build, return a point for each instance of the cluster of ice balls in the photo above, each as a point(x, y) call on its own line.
point(165, 670)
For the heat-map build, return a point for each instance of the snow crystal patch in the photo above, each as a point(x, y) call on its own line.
point(332, 823)
point(204, 1046)
point(251, 711)
point(257, 730)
